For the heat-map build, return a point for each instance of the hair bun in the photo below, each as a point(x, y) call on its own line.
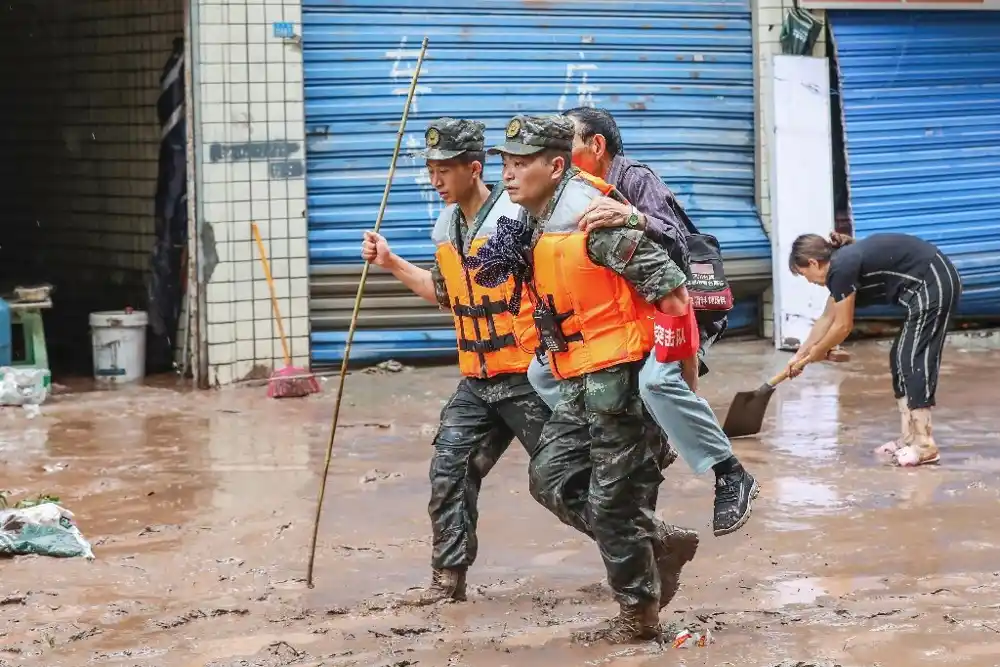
point(838, 240)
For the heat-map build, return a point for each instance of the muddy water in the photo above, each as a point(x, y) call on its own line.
point(199, 507)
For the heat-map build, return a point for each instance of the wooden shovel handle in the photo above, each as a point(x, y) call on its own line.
point(779, 378)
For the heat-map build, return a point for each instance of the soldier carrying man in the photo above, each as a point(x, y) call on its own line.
point(594, 295)
point(668, 395)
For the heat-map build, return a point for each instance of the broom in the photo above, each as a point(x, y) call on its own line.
point(287, 382)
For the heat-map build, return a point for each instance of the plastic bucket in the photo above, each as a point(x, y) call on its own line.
point(119, 341)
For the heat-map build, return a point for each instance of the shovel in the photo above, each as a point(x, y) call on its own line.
point(746, 413)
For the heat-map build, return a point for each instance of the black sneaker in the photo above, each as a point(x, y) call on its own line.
point(734, 495)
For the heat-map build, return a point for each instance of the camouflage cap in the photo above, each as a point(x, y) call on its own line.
point(527, 135)
point(446, 138)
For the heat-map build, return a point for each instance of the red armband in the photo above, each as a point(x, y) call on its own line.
point(676, 337)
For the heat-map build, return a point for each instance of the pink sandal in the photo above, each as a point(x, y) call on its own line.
point(912, 456)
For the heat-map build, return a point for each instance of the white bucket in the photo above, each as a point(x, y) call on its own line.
point(119, 340)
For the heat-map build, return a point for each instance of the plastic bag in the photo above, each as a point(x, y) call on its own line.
point(47, 530)
point(24, 386)
point(799, 32)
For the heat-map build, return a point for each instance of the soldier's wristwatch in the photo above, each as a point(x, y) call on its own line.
point(633, 219)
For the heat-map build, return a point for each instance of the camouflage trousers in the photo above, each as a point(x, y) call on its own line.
point(597, 467)
point(472, 437)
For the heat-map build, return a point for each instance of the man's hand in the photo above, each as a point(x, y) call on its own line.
point(375, 249)
point(689, 371)
point(606, 212)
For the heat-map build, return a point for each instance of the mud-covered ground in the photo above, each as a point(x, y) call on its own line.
point(199, 506)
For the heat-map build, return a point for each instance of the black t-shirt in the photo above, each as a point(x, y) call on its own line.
point(879, 268)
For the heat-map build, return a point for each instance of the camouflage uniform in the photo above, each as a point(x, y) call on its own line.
point(597, 464)
point(479, 421)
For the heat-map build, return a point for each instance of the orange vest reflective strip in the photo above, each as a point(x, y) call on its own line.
point(491, 341)
point(603, 319)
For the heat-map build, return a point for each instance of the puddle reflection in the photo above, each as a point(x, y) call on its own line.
point(807, 422)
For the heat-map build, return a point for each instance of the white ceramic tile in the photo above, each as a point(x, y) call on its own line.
point(298, 286)
point(216, 211)
point(244, 331)
point(300, 327)
point(220, 374)
point(219, 313)
point(237, 93)
point(218, 293)
point(221, 353)
point(241, 212)
point(256, 16)
point(244, 290)
point(244, 350)
point(298, 247)
point(300, 307)
point(236, 13)
point(210, 14)
point(263, 350)
point(243, 311)
point(274, 13)
point(262, 309)
point(257, 52)
point(257, 34)
point(212, 73)
point(276, 51)
point(293, 14)
point(297, 227)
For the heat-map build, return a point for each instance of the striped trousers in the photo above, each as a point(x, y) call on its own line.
point(915, 357)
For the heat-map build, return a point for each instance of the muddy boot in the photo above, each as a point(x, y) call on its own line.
point(923, 450)
point(905, 438)
point(446, 585)
point(674, 547)
point(632, 624)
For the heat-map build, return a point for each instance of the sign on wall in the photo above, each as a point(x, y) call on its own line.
point(977, 5)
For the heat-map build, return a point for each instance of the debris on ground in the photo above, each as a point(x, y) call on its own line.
point(692, 639)
point(376, 475)
point(24, 386)
point(40, 526)
point(388, 366)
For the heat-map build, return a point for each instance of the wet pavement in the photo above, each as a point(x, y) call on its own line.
point(199, 507)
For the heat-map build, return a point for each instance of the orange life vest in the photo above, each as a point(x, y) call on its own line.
point(491, 340)
point(604, 321)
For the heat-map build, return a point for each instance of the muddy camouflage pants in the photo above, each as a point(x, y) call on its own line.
point(472, 437)
point(596, 468)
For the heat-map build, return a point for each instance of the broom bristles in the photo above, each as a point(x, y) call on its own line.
point(291, 382)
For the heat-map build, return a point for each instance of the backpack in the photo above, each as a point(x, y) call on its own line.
point(707, 283)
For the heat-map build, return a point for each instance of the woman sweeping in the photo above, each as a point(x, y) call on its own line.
point(879, 269)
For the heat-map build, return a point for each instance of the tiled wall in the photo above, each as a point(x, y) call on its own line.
point(768, 17)
point(80, 140)
point(252, 170)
